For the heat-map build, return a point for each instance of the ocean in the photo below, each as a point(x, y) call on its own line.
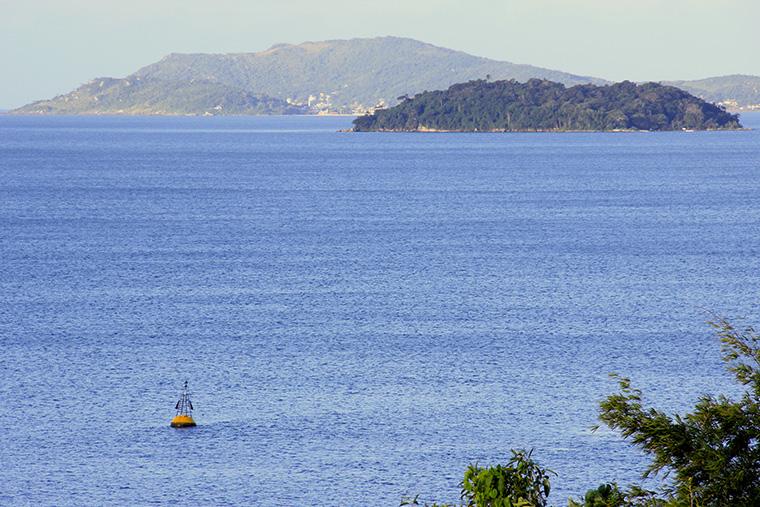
point(359, 316)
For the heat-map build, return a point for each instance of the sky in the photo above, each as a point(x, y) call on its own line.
point(49, 47)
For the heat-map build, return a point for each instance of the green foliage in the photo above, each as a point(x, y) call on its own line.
point(415, 500)
point(713, 453)
point(606, 495)
point(519, 483)
point(610, 495)
point(547, 106)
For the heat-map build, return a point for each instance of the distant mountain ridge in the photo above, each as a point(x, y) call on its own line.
point(344, 76)
point(335, 76)
point(736, 92)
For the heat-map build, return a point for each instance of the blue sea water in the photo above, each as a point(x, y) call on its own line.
point(360, 316)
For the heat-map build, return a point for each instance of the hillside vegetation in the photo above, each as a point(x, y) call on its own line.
point(331, 76)
point(336, 76)
point(737, 92)
point(541, 105)
point(153, 96)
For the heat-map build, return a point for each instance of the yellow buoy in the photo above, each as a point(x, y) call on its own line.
point(182, 421)
point(184, 407)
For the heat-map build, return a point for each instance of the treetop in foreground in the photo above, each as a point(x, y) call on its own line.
point(713, 452)
point(540, 105)
point(711, 455)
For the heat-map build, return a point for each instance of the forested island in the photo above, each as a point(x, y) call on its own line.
point(540, 105)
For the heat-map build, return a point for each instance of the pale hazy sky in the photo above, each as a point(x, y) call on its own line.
point(48, 47)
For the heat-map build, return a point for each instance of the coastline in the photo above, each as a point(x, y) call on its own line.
point(12, 112)
point(539, 131)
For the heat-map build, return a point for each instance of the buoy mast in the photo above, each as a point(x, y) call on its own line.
point(184, 407)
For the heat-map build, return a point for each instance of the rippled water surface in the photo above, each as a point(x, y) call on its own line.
point(359, 315)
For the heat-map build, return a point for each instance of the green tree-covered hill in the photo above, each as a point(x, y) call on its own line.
point(328, 76)
point(736, 92)
point(336, 76)
point(541, 105)
point(138, 95)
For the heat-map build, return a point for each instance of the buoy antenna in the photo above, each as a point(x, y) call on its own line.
point(184, 408)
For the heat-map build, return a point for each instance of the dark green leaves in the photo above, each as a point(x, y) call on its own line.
point(519, 483)
point(713, 452)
